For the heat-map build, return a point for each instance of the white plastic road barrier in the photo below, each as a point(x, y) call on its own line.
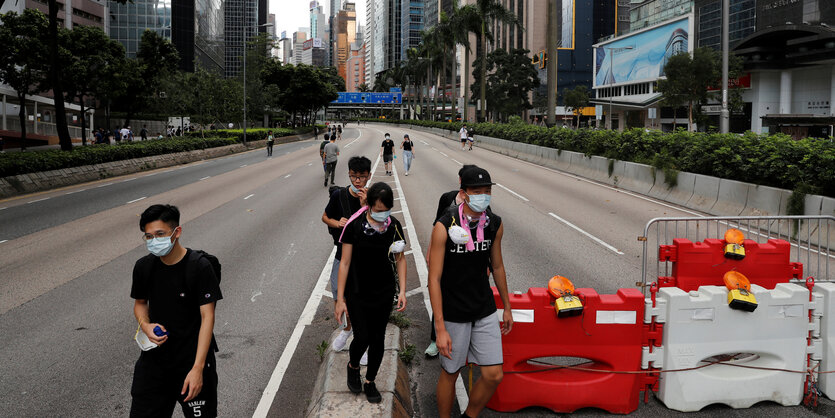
point(826, 382)
point(701, 328)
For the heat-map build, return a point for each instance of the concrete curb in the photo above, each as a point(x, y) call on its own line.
point(331, 397)
point(46, 180)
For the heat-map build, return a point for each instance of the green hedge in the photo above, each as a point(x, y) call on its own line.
point(771, 160)
point(30, 162)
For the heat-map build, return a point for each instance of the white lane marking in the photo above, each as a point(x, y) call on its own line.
point(151, 174)
point(393, 213)
point(424, 142)
point(244, 165)
point(4, 208)
point(513, 193)
point(457, 162)
point(309, 164)
point(305, 319)
point(593, 238)
point(287, 175)
point(444, 154)
point(127, 180)
point(136, 200)
point(39, 200)
point(249, 196)
point(102, 185)
point(413, 292)
point(434, 148)
point(204, 178)
point(75, 191)
point(5, 240)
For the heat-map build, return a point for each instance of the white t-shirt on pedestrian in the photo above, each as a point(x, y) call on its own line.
point(463, 132)
point(125, 133)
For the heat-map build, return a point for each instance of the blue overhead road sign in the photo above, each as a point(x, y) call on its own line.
point(368, 98)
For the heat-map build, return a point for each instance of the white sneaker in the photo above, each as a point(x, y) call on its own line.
point(364, 359)
point(407, 173)
point(341, 339)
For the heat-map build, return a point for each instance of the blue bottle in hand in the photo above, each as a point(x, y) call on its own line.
point(159, 332)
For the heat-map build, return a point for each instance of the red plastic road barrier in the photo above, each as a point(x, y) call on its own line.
point(609, 334)
point(704, 263)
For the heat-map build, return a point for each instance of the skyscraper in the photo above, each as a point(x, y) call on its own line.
point(195, 27)
point(241, 24)
point(346, 35)
point(411, 24)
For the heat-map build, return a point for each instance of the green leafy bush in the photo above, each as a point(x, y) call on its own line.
point(771, 160)
point(30, 162)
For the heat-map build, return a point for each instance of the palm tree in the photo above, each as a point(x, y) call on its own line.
point(465, 20)
point(415, 70)
point(490, 12)
point(432, 48)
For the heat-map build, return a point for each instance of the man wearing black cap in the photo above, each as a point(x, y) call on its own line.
point(466, 240)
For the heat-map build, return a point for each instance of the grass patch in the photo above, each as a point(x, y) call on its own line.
point(400, 319)
point(408, 354)
point(321, 349)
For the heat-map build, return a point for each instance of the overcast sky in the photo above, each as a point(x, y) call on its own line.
point(291, 15)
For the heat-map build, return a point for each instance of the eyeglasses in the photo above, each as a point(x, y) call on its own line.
point(158, 234)
point(358, 177)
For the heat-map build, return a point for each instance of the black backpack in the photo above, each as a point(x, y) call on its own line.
point(346, 208)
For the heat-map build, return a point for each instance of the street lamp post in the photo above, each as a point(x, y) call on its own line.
point(244, 48)
point(612, 74)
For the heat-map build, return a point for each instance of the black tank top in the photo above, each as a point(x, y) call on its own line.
point(465, 284)
point(407, 145)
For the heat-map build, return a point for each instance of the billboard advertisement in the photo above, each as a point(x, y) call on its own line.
point(640, 56)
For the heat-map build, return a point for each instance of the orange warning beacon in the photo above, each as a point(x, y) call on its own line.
point(733, 244)
point(740, 296)
point(567, 304)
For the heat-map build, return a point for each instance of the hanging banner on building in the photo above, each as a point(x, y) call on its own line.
point(641, 56)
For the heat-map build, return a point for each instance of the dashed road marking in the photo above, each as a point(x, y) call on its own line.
point(136, 200)
point(75, 191)
point(444, 154)
point(244, 165)
point(204, 178)
point(513, 193)
point(127, 180)
point(457, 162)
point(592, 237)
point(287, 176)
point(249, 196)
point(103, 185)
point(5, 240)
point(39, 200)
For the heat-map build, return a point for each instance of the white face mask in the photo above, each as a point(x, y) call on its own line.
point(458, 234)
point(397, 247)
point(160, 246)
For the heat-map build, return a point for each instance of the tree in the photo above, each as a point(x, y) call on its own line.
point(363, 88)
point(490, 12)
point(511, 79)
point(466, 21)
point(156, 59)
point(688, 78)
point(302, 89)
point(575, 100)
point(22, 57)
point(92, 59)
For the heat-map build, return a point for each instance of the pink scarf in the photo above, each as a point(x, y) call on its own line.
point(357, 215)
point(479, 232)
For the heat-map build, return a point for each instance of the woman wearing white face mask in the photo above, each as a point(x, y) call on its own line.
point(367, 279)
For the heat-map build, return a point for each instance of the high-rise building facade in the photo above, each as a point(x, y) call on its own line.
point(652, 12)
point(430, 13)
point(241, 25)
point(355, 68)
point(298, 45)
point(708, 18)
point(84, 12)
point(195, 27)
point(346, 35)
point(411, 24)
point(318, 21)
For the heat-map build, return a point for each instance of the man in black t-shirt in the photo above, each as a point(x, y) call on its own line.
point(342, 204)
point(322, 151)
point(465, 241)
point(387, 151)
point(175, 291)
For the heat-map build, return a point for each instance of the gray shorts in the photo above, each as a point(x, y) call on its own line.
point(335, 278)
point(387, 158)
point(478, 342)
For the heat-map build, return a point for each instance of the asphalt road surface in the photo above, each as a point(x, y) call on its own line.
point(66, 258)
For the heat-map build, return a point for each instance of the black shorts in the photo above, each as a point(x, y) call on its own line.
point(156, 389)
point(463, 140)
point(387, 158)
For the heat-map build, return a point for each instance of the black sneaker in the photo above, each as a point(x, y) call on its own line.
point(354, 383)
point(372, 393)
